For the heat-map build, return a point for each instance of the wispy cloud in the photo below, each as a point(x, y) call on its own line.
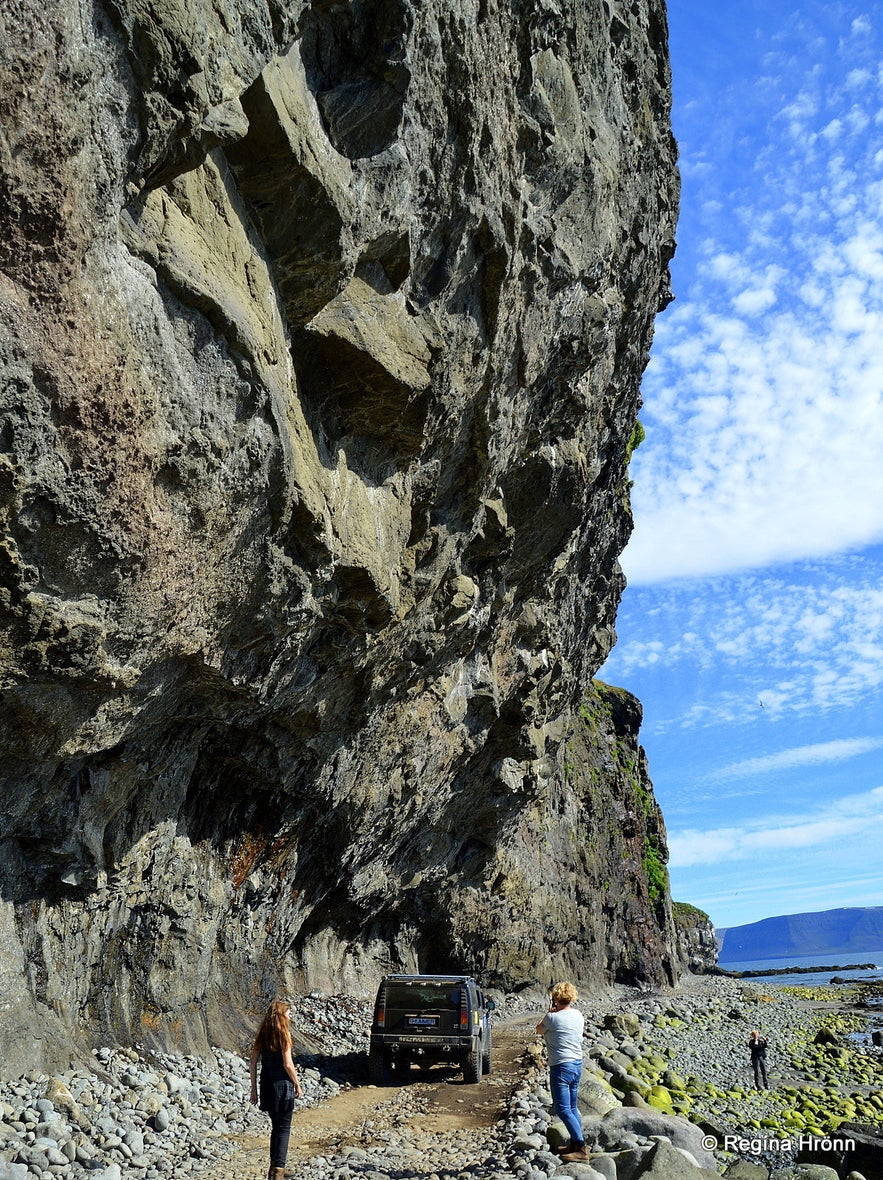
point(753, 625)
point(818, 754)
point(783, 894)
point(812, 641)
point(764, 396)
point(758, 838)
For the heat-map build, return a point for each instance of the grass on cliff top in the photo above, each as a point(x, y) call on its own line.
point(688, 915)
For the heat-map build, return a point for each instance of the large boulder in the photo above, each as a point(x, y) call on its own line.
point(666, 1162)
point(809, 1172)
point(595, 1096)
point(826, 1036)
point(744, 1170)
point(649, 1123)
point(854, 1146)
point(625, 1024)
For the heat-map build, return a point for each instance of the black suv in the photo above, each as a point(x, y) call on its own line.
point(430, 1018)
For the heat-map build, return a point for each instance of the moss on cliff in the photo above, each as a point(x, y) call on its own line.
point(320, 346)
point(608, 772)
point(685, 914)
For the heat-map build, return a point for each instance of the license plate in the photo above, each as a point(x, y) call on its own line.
point(426, 1020)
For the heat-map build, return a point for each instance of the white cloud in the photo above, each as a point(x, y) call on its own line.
point(769, 452)
point(838, 750)
point(802, 645)
point(758, 838)
point(693, 847)
point(764, 395)
point(755, 300)
point(856, 79)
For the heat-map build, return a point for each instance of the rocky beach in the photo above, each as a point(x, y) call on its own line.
point(667, 1092)
point(322, 335)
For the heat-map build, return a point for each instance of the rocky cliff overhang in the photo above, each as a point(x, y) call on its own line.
point(321, 333)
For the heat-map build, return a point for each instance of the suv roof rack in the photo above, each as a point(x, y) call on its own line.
point(419, 975)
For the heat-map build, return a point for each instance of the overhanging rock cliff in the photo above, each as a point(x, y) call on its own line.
point(321, 332)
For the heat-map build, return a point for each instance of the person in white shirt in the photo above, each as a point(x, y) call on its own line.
point(562, 1030)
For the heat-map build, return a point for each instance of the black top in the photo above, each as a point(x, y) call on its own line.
point(277, 1088)
point(272, 1067)
point(758, 1047)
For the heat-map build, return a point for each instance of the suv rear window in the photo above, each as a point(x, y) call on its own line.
point(422, 997)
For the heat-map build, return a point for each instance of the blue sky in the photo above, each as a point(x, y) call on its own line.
point(752, 628)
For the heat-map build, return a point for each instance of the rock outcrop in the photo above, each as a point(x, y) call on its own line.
point(321, 333)
point(696, 939)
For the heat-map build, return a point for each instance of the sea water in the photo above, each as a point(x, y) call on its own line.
point(814, 978)
point(874, 1021)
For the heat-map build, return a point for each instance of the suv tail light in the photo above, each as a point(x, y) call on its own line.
point(380, 1015)
point(464, 1009)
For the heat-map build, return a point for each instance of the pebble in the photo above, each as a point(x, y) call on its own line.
point(161, 1115)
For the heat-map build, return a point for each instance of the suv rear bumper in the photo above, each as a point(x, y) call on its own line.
point(428, 1040)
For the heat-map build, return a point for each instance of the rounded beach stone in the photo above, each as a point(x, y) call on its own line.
point(14, 1171)
point(635, 1099)
point(743, 1170)
point(604, 1166)
point(625, 1023)
point(110, 1172)
point(659, 1098)
point(161, 1120)
point(595, 1096)
point(673, 1081)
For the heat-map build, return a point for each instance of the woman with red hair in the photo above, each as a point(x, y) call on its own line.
point(279, 1081)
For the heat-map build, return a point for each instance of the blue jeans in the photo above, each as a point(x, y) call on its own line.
point(280, 1133)
point(564, 1079)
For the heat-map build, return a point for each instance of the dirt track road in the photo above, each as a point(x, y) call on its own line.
point(431, 1112)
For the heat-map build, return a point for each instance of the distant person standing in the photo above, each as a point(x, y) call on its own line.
point(562, 1030)
point(758, 1047)
point(279, 1081)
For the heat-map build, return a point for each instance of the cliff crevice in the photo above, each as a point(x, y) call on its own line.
point(321, 332)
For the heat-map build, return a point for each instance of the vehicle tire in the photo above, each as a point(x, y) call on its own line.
point(376, 1066)
point(472, 1064)
point(487, 1060)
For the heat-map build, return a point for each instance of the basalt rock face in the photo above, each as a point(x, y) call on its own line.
point(697, 941)
point(321, 331)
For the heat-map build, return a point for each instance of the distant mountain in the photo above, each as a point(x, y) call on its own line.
point(831, 932)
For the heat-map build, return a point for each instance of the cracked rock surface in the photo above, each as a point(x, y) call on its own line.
point(321, 333)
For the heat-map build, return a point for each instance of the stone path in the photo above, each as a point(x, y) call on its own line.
point(432, 1124)
point(162, 1116)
